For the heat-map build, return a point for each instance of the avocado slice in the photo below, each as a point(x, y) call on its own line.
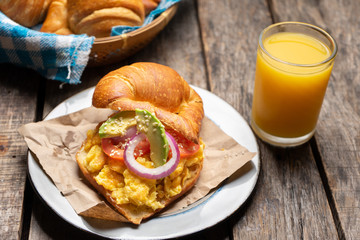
point(148, 124)
point(117, 125)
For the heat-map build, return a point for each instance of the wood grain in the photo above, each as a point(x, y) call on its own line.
point(229, 32)
point(18, 94)
point(338, 131)
point(179, 46)
point(290, 202)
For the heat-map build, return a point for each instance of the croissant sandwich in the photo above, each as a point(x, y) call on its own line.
point(148, 152)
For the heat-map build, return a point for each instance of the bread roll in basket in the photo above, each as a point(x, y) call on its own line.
point(25, 12)
point(96, 18)
point(108, 50)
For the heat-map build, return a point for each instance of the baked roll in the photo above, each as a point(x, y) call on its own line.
point(94, 18)
point(25, 12)
point(56, 19)
point(121, 167)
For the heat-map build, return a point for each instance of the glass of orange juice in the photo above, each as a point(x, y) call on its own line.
point(293, 67)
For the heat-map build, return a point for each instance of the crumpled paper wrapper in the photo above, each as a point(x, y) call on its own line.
point(56, 141)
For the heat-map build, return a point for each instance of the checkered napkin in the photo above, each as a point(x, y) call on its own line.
point(54, 56)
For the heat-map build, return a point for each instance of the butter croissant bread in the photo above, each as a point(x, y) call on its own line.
point(25, 12)
point(148, 152)
point(95, 18)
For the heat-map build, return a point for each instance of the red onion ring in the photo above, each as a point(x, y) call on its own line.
point(151, 173)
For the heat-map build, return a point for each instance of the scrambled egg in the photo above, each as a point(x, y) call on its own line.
point(126, 187)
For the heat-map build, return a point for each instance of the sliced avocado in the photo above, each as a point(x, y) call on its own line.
point(117, 124)
point(148, 124)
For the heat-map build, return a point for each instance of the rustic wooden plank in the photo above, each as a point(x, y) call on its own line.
point(230, 32)
point(290, 202)
point(18, 97)
point(338, 129)
point(178, 46)
point(293, 204)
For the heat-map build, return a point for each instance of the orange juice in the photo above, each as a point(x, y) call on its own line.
point(292, 74)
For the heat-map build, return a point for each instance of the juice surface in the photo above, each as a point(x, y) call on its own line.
point(287, 99)
point(296, 48)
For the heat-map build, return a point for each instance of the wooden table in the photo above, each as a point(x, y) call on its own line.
point(308, 192)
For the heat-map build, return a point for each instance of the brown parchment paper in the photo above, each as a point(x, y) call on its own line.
point(56, 141)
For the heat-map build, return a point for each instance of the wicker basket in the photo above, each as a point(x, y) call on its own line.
point(112, 49)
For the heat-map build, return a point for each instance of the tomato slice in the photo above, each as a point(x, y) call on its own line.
point(112, 149)
point(115, 148)
point(187, 148)
point(142, 148)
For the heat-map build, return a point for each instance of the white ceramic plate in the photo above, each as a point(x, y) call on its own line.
point(198, 216)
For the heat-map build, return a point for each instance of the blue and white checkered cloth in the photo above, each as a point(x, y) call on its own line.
point(56, 57)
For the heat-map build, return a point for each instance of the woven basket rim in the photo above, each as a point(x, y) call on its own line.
point(154, 23)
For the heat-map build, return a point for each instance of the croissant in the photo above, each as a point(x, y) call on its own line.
point(94, 18)
point(156, 88)
point(134, 192)
point(56, 18)
point(25, 12)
